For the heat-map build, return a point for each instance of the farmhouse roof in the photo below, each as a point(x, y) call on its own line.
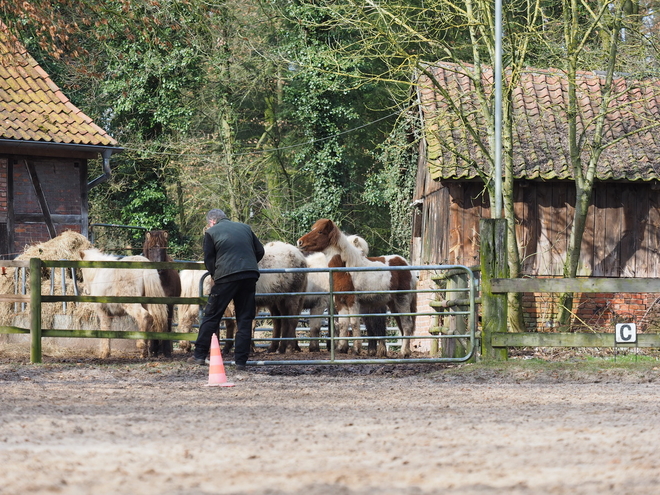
point(540, 148)
point(33, 109)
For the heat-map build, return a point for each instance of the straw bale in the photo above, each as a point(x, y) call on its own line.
point(66, 246)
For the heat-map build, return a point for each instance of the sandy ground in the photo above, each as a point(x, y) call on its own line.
point(132, 427)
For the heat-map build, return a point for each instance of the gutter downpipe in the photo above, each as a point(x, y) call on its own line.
point(106, 154)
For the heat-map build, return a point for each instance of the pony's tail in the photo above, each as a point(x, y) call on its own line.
point(185, 311)
point(188, 314)
point(153, 288)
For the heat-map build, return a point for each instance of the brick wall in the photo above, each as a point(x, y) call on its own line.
point(594, 312)
point(27, 234)
point(60, 183)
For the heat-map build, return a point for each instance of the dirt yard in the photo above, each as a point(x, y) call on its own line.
point(133, 427)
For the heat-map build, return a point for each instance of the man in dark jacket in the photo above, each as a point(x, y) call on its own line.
point(231, 254)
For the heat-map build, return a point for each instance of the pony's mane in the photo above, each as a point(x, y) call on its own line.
point(96, 255)
point(350, 253)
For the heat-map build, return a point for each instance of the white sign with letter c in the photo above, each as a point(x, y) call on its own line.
point(625, 333)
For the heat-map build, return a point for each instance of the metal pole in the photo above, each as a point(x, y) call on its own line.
point(35, 310)
point(497, 75)
point(331, 314)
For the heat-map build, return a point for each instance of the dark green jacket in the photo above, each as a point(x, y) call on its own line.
point(232, 251)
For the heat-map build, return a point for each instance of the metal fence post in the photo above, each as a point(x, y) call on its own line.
point(35, 310)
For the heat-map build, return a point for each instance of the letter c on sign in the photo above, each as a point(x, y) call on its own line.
point(626, 333)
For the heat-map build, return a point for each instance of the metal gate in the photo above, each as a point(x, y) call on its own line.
point(460, 306)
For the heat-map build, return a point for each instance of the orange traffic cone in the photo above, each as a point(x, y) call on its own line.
point(217, 375)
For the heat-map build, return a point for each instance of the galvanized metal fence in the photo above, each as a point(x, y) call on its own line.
point(36, 299)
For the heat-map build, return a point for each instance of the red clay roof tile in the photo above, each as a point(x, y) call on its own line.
point(540, 129)
point(33, 108)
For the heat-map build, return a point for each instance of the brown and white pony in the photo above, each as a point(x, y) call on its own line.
point(319, 282)
point(155, 249)
point(124, 282)
point(326, 237)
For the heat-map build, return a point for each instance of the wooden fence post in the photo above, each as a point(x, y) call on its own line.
point(494, 264)
point(35, 310)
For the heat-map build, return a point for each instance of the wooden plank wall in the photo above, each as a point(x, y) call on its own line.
point(621, 237)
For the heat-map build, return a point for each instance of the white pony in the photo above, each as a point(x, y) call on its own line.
point(124, 282)
point(275, 289)
point(282, 293)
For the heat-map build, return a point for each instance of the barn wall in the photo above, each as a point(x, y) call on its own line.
point(61, 182)
point(622, 238)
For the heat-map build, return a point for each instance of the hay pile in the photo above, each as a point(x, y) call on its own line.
point(66, 246)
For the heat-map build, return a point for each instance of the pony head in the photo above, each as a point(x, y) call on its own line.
point(324, 234)
point(155, 245)
point(359, 243)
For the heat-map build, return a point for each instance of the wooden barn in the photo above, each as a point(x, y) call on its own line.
point(45, 145)
point(623, 225)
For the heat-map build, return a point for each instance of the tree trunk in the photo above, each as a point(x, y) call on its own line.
point(515, 310)
point(582, 203)
point(584, 179)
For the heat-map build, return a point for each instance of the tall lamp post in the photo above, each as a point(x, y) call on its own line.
point(497, 75)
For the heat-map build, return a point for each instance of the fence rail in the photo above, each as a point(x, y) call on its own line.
point(496, 285)
point(36, 299)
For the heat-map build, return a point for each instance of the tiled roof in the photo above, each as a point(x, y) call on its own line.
point(32, 107)
point(540, 131)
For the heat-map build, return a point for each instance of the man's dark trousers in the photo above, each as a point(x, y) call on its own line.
point(242, 293)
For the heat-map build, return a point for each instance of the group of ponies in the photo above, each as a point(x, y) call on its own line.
point(283, 293)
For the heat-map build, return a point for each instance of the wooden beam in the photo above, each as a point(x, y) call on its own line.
point(22, 298)
point(15, 263)
point(32, 171)
point(575, 285)
point(116, 334)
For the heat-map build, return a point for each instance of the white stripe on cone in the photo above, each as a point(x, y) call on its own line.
point(217, 375)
